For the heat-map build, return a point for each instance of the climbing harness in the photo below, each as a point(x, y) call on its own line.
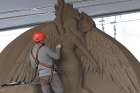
point(37, 62)
point(53, 68)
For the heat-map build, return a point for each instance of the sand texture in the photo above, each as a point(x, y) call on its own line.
point(91, 61)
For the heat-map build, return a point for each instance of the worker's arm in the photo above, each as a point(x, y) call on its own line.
point(54, 54)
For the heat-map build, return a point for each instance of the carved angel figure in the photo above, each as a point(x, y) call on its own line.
point(92, 61)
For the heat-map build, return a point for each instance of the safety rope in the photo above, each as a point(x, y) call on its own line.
point(36, 61)
point(53, 68)
point(39, 63)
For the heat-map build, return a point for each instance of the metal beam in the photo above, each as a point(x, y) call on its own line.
point(35, 12)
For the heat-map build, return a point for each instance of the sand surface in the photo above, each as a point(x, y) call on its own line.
point(91, 61)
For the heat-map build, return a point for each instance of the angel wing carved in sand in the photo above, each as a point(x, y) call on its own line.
point(92, 61)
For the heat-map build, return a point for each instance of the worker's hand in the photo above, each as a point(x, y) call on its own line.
point(58, 46)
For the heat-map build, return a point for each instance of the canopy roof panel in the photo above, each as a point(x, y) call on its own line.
point(14, 13)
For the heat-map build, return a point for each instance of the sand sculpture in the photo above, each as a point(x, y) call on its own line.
point(92, 61)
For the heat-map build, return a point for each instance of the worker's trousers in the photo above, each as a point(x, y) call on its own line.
point(55, 84)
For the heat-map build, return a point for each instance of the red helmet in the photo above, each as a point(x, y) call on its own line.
point(39, 37)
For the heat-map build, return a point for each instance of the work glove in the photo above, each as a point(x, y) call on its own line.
point(58, 46)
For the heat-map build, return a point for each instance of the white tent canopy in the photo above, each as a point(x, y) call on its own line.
point(14, 13)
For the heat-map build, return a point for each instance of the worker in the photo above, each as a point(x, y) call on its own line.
point(44, 58)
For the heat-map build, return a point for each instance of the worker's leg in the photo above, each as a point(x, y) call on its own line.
point(56, 84)
point(45, 84)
